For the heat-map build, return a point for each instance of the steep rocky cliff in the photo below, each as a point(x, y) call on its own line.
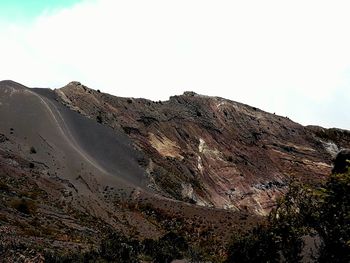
point(212, 151)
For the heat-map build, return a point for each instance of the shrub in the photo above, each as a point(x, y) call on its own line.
point(117, 248)
point(4, 187)
point(322, 211)
point(32, 150)
point(24, 206)
point(171, 247)
point(99, 118)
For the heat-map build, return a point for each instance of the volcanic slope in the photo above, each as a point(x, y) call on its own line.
point(67, 182)
point(70, 146)
point(77, 164)
point(211, 151)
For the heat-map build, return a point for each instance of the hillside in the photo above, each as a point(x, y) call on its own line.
point(77, 165)
point(211, 151)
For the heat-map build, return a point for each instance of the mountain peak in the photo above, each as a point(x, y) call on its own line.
point(73, 84)
point(190, 93)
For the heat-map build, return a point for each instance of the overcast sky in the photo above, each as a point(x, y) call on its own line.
point(288, 57)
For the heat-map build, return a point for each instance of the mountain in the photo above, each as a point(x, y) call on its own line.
point(211, 151)
point(77, 164)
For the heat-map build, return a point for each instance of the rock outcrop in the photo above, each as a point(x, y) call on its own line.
point(212, 151)
point(67, 182)
point(77, 165)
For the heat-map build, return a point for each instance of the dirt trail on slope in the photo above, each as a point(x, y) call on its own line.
point(63, 128)
point(73, 147)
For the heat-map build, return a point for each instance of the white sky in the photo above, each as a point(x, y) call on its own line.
point(288, 57)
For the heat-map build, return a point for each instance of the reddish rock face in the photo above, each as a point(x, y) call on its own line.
point(212, 151)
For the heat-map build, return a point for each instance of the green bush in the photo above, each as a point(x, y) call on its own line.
point(322, 211)
point(117, 248)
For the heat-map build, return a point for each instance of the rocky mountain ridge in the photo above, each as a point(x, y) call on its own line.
point(211, 151)
point(67, 182)
point(77, 165)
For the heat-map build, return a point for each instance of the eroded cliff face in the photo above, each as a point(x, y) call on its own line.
point(212, 151)
point(68, 182)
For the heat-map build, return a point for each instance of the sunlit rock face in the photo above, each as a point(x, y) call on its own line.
point(212, 151)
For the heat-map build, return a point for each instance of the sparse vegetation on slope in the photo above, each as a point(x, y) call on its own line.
point(97, 178)
point(310, 222)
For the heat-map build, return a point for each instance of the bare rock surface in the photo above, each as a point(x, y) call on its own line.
point(77, 164)
point(68, 179)
point(211, 151)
